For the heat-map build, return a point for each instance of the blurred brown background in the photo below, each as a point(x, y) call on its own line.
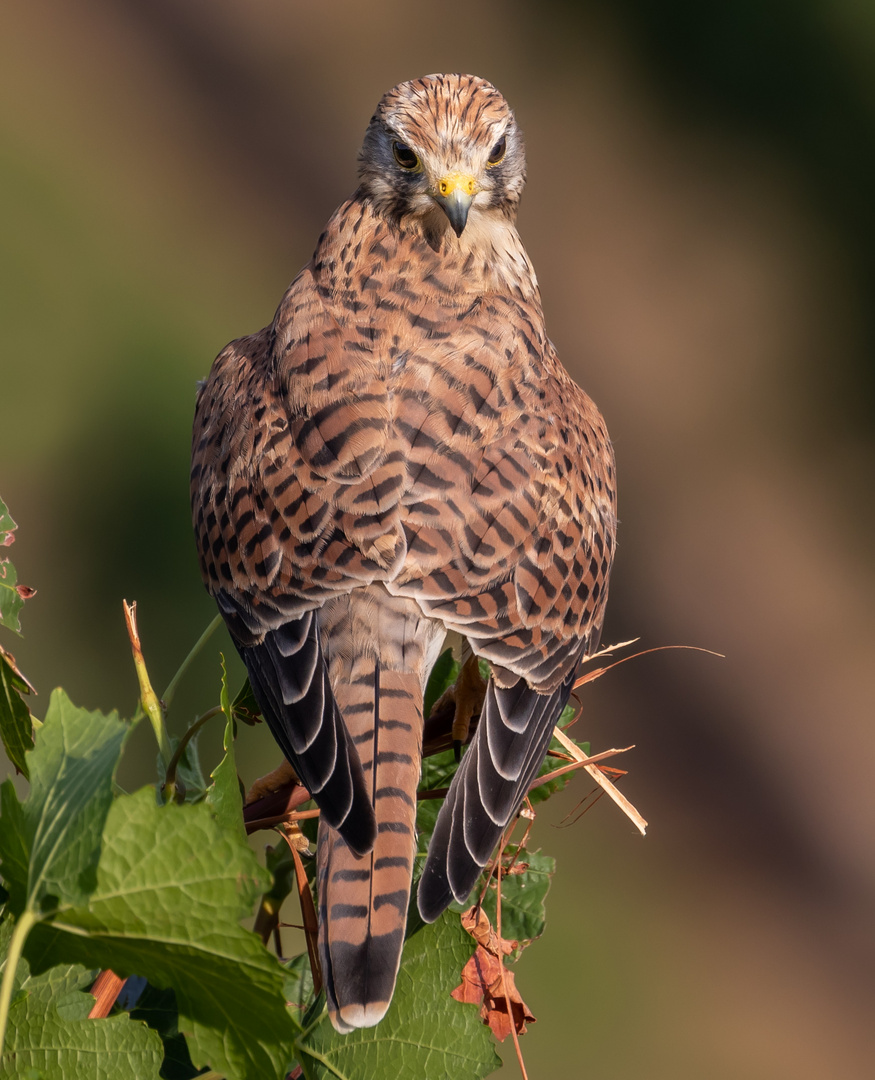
point(701, 216)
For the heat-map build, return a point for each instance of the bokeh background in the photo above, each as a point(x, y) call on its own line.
point(701, 216)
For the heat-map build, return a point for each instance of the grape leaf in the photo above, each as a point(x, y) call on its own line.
point(189, 774)
point(57, 828)
point(13, 848)
point(425, 1033)
point(299, 985)
point(171, 888)
point(158, 1009)
point(49, 1033)
point(522, 898)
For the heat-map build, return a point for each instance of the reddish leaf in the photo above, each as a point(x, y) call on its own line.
point(487, 982)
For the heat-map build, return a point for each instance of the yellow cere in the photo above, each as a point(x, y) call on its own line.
point(451, 181)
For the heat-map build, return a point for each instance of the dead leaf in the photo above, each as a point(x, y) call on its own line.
point(476, 922)
point(486, 981)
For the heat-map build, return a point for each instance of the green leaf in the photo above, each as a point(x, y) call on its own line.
point(49, 1033)
point(60, 985)
point(245, 707)
point(171, 888)
point(7, 525)
point(59, 825)
point(298, 987)
point(12, 595)
point(443, 675)
point(22, 971)
point(158, 1009)
point(14, 855)
point(522, 898)
point(426, 1033)
point(225, 796)
point(437, 772)
point(16, 726)
point(71, 769)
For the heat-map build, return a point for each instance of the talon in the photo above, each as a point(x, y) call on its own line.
point(470, 693)
point(282, 776)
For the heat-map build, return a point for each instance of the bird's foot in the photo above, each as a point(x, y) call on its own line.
point(467, 694)
point(282, 776)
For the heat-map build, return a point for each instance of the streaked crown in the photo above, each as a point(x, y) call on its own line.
point(448, 141)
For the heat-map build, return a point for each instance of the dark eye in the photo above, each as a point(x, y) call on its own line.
point(497, 151)
point(405, 156)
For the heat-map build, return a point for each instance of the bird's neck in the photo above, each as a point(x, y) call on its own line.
point(360, 244)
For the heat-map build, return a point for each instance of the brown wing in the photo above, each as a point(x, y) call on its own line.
point(509, 512)
point(510, 524)
point(441, 450)
point(380, 432)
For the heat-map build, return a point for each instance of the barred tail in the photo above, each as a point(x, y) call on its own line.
point(363, 899)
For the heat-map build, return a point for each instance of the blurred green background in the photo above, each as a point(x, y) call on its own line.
point(700, 213)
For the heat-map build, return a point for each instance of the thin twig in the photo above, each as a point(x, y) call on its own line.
point(435, 793)
point(496, 861)
point(530, 817)
point(173, 764)
point(503, 969)
point(547, 777)
point(107, 987)
point(308, 914)
point(596, 673)
point(596, 773)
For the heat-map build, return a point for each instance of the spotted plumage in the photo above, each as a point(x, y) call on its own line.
point(400, 453)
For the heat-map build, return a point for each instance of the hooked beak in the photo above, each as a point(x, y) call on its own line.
point(454, 194)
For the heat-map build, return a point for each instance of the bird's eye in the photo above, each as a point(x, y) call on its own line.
point(405, 156)
point(497, 151)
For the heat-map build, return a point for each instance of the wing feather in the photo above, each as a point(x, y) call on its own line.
point(488, 789)
point(290, 681)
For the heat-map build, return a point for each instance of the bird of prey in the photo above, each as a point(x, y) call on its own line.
point(397, 455)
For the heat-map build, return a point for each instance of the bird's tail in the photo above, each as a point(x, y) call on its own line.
point(363, 899)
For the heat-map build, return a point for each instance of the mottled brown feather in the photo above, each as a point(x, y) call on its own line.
point(404, 430)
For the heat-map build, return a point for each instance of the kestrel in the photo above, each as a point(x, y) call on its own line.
point(399, 454)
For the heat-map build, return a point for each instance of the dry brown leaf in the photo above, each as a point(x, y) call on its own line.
point(476, 922)
point(485, 980)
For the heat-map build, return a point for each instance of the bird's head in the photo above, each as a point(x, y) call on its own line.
point(443, 150)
